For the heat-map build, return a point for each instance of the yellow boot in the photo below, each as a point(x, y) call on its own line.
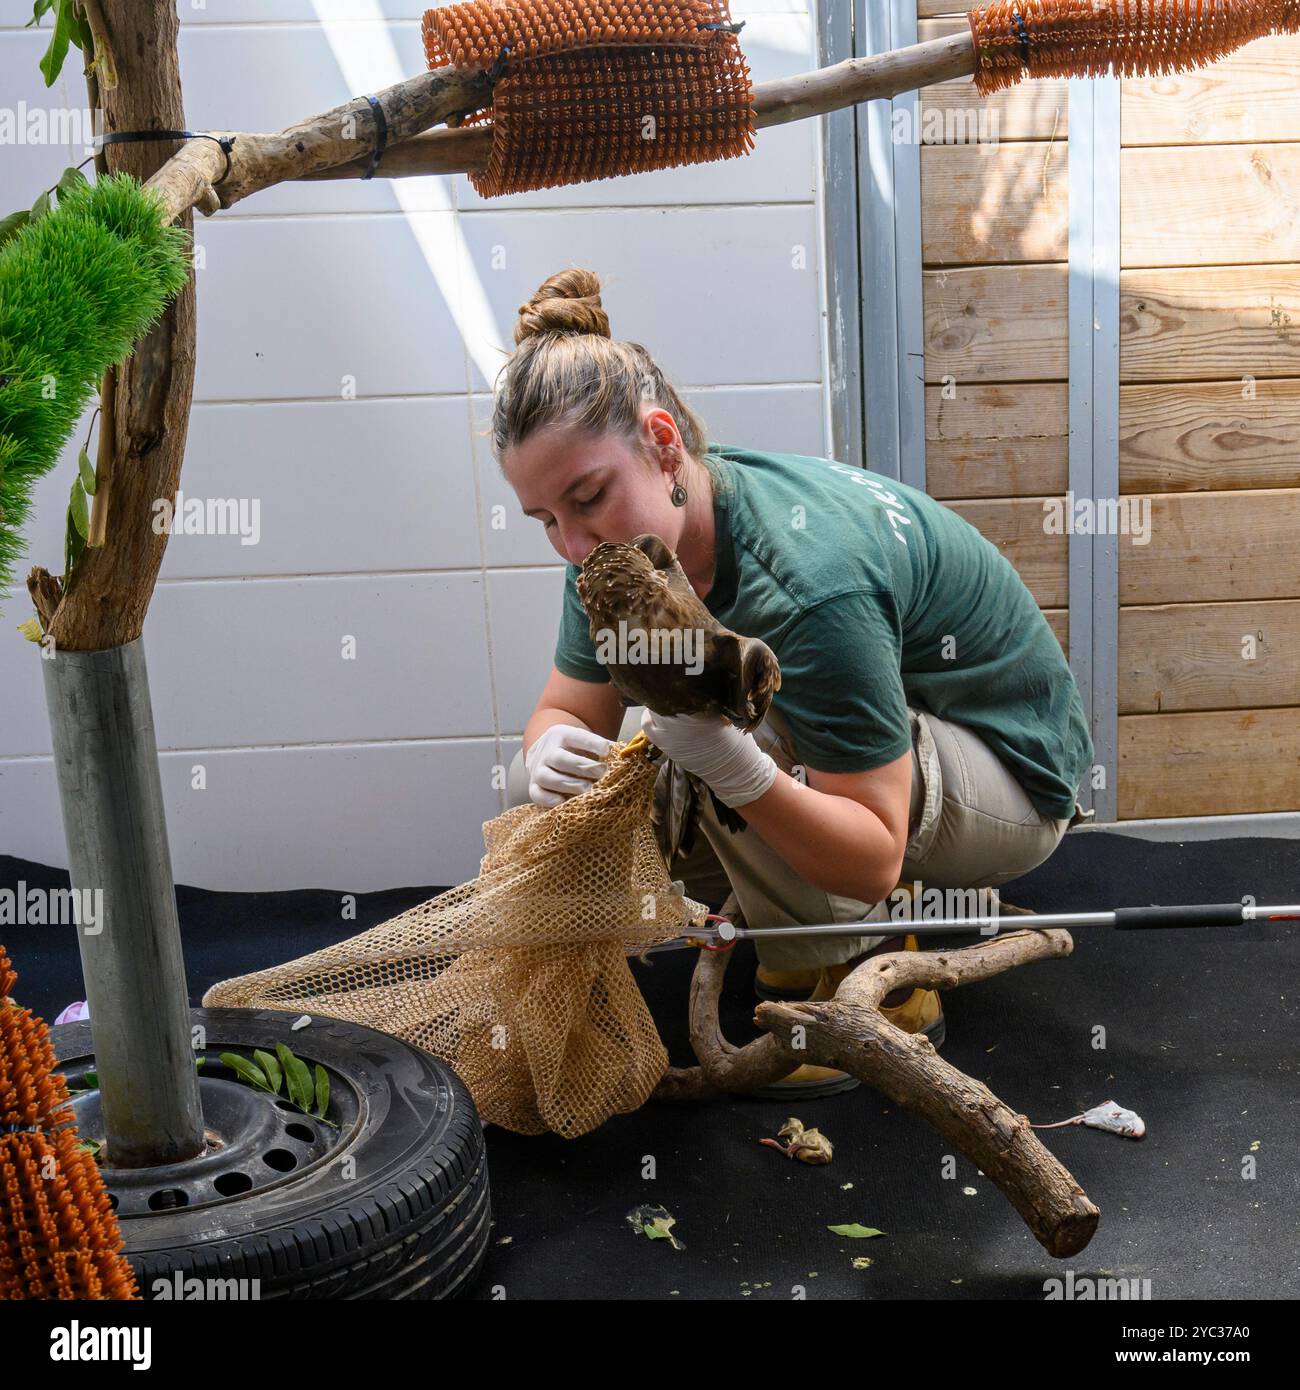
point(915, 1011)
point(784, 984)
point(799, 984)
point(920, 1012)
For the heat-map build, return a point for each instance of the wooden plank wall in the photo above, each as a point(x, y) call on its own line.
point(1209, 429)
point(1209, 652)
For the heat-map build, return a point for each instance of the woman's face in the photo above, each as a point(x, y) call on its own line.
point(586, 489)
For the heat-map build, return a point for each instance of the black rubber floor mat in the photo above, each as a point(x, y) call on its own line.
point(1196, 1030)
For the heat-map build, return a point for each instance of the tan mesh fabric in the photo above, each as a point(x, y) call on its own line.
point(593, 89)
point(519, 979)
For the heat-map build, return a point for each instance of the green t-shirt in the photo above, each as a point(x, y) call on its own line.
point(874, 596)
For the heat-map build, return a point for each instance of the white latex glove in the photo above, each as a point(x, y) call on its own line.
point(563, 761)
point(715, 751)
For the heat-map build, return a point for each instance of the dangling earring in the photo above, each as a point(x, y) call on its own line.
point(678, 492)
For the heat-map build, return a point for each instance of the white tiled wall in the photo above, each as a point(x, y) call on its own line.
point(376, 511)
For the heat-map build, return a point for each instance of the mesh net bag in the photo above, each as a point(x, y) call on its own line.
point(519, 979)
point(592, 89)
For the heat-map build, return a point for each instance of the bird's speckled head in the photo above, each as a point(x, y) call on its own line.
point(618, 576)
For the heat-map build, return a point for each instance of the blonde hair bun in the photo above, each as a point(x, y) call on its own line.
point(568, 302)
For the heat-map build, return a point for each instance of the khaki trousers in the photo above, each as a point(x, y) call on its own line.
point(971, 826)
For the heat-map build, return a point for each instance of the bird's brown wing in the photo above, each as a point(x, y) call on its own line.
point(733, 820)
point(675, 816)
point(744, 675)
point(760, 678)
point(690, 608)
point(656, 550)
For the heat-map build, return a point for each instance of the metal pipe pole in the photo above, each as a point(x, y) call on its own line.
point(1234, 914)
point(106, 761)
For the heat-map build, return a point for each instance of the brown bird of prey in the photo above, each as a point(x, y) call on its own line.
point(663, 649)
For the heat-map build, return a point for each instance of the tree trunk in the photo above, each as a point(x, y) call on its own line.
point(105, 604)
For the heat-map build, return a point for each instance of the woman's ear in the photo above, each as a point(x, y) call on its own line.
point(662, 431)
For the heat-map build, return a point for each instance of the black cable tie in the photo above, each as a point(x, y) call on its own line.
point(134, 137)
point(495, 70)
point(733, 28)
point(381, 137)
point(1024, 37)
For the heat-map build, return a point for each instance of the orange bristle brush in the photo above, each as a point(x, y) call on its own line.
point(591, 89)
point(59, 1237)
point(1015, 39)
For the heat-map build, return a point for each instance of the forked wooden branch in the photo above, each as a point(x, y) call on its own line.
point(778, 102)
point(849, 1033)
point(143, 442)
point(139, 461)
point(195, 176)
point(337, 144)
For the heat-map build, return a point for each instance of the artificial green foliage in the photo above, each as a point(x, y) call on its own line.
point(78, 286)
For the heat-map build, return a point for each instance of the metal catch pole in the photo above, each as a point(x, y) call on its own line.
point(106, 760)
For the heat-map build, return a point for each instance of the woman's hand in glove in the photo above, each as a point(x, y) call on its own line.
point(563, 761)
point(715, 751)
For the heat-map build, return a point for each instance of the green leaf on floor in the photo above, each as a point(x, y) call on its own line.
point(655, 1223)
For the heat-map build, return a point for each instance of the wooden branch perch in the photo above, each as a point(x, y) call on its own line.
point(105, 606)
point(271, 159)
point(849, 1033)
point(145, 426)
point(196, 175)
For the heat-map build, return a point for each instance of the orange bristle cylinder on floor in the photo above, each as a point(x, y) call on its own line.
point(59, 1237)
point(1015, 39)
point(594, 89)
